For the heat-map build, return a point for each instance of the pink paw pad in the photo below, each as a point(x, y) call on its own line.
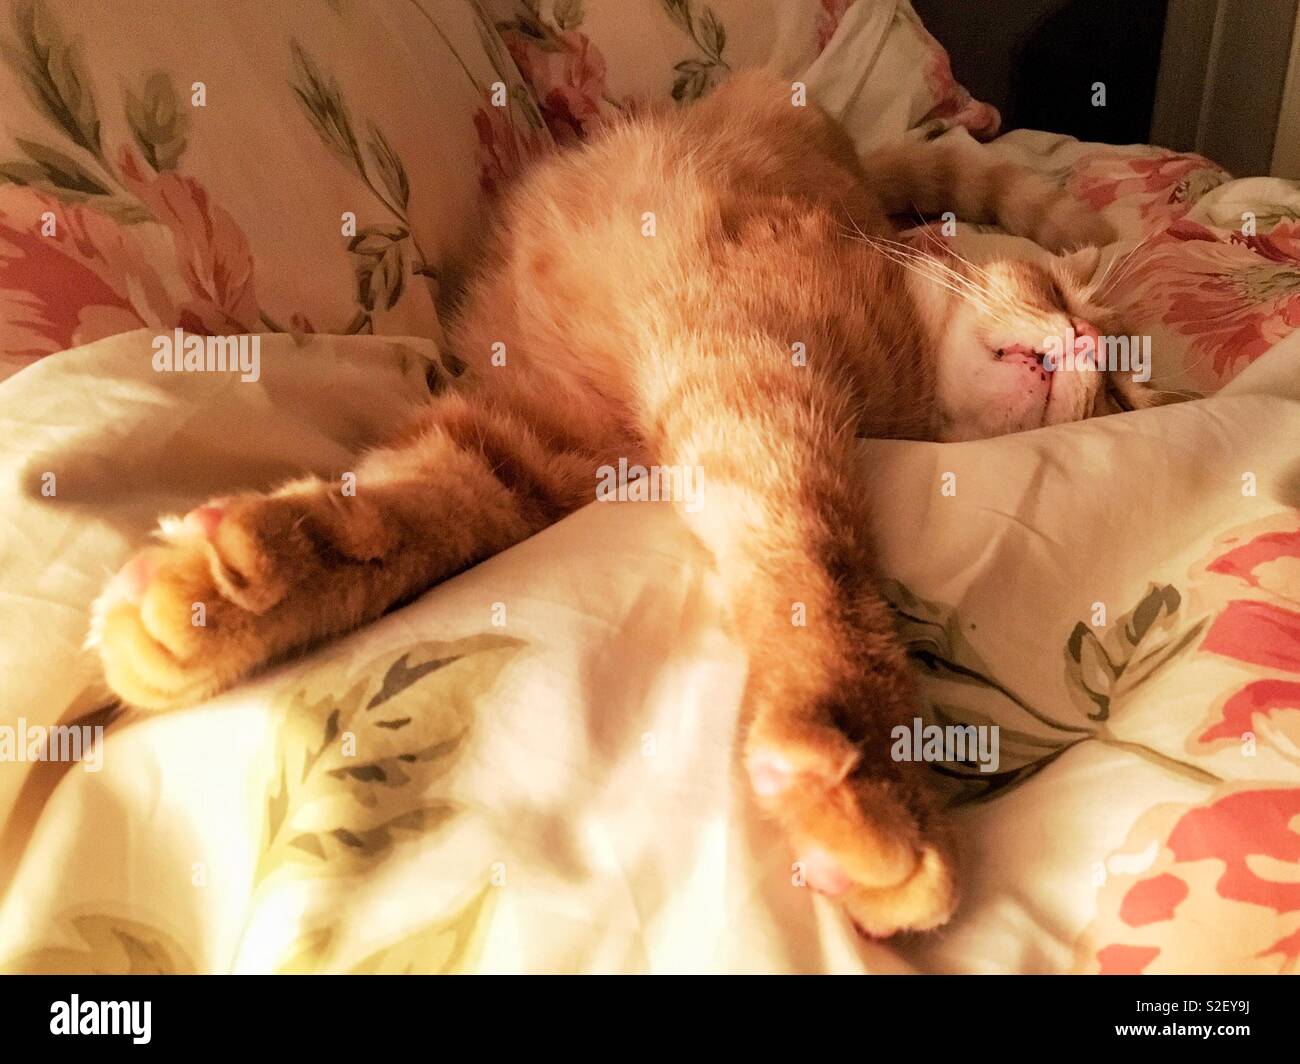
point(769, 774)
point(822, 873)
point(131, 580)
point(203, 520)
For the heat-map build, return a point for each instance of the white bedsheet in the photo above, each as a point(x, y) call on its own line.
point(574, 801)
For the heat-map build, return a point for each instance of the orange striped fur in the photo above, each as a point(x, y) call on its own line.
point(715, 289)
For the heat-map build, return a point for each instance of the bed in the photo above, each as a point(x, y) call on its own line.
point(534, 767)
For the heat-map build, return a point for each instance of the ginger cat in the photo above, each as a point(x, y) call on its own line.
point(674, 347)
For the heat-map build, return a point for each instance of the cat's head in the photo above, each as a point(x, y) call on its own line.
point(1021, 344)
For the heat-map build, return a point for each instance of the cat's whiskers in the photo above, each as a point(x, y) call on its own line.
point(926, 267)
point(948, 249)
point(1118, 269)
point(981, 274)
point(1108, 277)
point(984, 297)
point(1116, 264)
point(915, 259)
point(961, 278)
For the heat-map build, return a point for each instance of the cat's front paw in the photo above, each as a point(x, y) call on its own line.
point(189, 616)
point(870, 843)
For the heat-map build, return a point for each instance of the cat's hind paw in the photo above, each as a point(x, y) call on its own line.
point(165, 629)
point(858, 841)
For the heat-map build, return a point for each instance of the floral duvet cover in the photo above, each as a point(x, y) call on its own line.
point(534, 767)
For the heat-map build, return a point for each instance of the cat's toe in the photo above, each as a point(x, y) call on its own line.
point(861, 843)
point(794, 752)
point(174, 625)
point(922, 902)
point(243, 539)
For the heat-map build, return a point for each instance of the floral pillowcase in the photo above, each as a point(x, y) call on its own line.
point(587, 60)
point(320, 167)
point(1206, 268)
point(244, 166)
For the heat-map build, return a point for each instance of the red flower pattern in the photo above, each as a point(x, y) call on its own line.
point(504, 151)
point(567, 75)
point(94, 276)
point(1222, 866)
point(1233, 296)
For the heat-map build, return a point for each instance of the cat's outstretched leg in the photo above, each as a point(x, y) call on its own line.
point(244, 580)
point(782, 510)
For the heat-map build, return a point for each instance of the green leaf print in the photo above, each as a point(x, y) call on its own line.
point(158, 122)
point(384, 258)
point(49, 68)
point(109, 945)
point(360, 749)
point(1101, 667)
point(323, 101)
point(568, 14)
point(448, 945)
point(696, 76)
point(391, 171)
point(444, 947)
point(52, 171)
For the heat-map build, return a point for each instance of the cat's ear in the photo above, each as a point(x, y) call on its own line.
point(1078, 266)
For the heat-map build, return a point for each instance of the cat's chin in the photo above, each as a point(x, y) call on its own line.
point(1032, 403)
point(1013, 415)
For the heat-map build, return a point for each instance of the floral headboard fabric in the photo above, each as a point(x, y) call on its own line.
point(586, 61)
point(244, 167)
point(304, 167)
